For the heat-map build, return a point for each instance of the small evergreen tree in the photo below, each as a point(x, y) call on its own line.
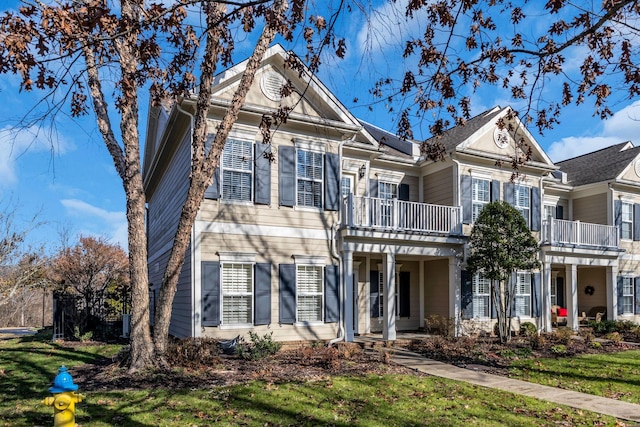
point(501, 244)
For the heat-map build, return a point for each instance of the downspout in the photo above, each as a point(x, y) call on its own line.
point(334, 250)
point(196, 331)
point(457, 323)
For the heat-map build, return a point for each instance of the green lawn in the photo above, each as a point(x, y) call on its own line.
point(27, 368)
point(613, 375)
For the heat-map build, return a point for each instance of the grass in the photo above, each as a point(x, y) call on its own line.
point(28, 365)
point(613, 375)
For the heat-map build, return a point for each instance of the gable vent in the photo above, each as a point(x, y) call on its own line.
point(271, 84)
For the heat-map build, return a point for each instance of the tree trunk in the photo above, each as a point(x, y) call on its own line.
point(202, 170)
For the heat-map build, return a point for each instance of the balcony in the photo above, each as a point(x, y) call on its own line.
point(398, 215)
point(563, 232)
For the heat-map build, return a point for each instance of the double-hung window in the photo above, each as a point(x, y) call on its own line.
point(346, 186)
point(626, 225)
point(309, 178)
point(387, 191)
point(627, 295)
point(237, 293)
point(237, 170)
point(480, 196)
point(309, 293)
point(522, 198)
point(523, 295)
point(481, 289)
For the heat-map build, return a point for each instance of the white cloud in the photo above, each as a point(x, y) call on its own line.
point(623, 126)
point(18, 142)
point(97, 221)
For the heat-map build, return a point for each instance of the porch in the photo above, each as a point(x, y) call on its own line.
point(577, 233)
point(399, 215)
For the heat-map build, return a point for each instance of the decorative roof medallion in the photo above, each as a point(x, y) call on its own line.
point(636, 167)
point(501, 137)
point(271, 84)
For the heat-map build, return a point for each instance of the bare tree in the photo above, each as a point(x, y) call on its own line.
point(72, 49)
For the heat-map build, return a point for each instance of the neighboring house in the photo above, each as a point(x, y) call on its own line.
point(350, 231)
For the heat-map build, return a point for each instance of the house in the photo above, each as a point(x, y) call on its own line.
point(351, 231)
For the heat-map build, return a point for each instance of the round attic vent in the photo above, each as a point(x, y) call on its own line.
point(636, 167)
point(271, 84)
point(501, 137)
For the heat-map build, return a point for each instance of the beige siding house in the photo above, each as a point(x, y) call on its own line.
point(351, 231)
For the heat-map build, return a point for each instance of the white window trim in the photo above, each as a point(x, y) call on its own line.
point(251, 172)
point(322, 182)
point(474, 293)
point(389, 176)
point(632, 295)
point(517, 205)
point(309, 260)
point(316, 146)
point(321, 293)
point(252, 295)
point(622, 221)
point(530, 294)
point(237, 257)
point(381, 286)
point(479, 202)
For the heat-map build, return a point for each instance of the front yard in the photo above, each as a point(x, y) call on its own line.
point(298, 386)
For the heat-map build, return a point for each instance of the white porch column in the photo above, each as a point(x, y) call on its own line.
point(389, 308)
point(347, 263)
point(454, 292)
point(367, 294)
point(546, 295)
point(358, 303)
point(421, 292)
point(571, 293)
point(612, 292)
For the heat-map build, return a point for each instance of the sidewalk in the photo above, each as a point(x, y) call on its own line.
point(602, 405)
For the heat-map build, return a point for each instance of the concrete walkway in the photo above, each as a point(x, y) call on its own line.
point(615, 408)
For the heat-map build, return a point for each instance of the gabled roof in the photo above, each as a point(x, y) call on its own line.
point(388, 139)
point(452, 137)
point(599, 166)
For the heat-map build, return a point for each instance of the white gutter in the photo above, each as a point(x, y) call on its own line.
point(196, 315)
point(334, 251)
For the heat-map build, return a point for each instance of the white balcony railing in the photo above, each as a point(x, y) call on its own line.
point(560, 231)
point(399, 215)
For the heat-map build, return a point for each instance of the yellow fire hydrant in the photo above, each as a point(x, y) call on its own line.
point(64, 399)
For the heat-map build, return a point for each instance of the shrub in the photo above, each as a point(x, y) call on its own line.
point(595, 344)
point(559, 349)
point(528, 329)
point(193, 352)
point(586, 333)
point(537, 341)
point(82, 337)
point(613, 336)
point(258, 347)
point(603, 327)
point(563, 334)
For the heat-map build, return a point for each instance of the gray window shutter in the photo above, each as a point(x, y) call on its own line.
point(287, 293)
point(465, 195)
point(466, 287)
point(287, 175)
point(374, 294)
point(262, 175)
point(210, 286)
point(262, 294)
point(495, 190)
point(535, 209)
point(213, 191)
point(559, 212)
point(536, 290)
point(405, 294)
point(331, 294)
point(403, 192)
point(636, 294)
point(331, 182)
point(560, 291)
point(373, 188)
point(617, 214)
point(620, 290)
point(636, 222)
point(492, 304)
point(509, 193)
point(512, 287)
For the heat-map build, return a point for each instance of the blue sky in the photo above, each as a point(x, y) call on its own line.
point(67, 177)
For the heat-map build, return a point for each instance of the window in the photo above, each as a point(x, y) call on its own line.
point(627, 295)
point(399, 298)
point(387, 191)
point(523, 295)
point(481, 288)
point(309, 287)
point(549, 211)
point(626, 226)
point(346, 186)
point(480, 196)
point(237, 170)
point(522, 200)
point(309, 178)
point(554, 291)
point(237, 292)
